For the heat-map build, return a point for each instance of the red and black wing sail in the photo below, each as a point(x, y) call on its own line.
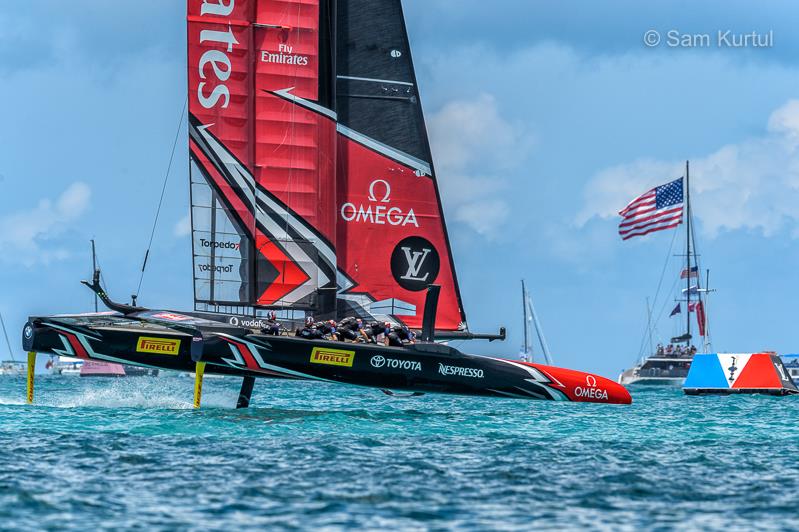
point(312, 182)
point(262, 146)
point(391, 235)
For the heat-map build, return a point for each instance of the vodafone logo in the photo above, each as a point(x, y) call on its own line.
point(378, 211)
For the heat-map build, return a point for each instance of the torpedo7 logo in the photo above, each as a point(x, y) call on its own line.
point(415, 263)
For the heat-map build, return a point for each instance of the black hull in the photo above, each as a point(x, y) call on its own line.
point(228, 350)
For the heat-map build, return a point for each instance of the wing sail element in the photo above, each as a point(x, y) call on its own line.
point(262, 166)
point(312, 184)
point(391, 234)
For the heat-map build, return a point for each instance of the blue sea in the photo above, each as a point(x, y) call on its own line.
point(94, 454)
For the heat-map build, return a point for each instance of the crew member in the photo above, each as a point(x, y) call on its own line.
point(328, 329)
point(272, 326)
point(349, 329)
point(399, 336)
point(372, 331)
point(311, 332)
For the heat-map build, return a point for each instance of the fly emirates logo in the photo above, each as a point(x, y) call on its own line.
point(214, 66)
point(284, 56)
point(379, 210)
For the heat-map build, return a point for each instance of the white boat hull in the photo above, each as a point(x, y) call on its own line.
point(626, 380)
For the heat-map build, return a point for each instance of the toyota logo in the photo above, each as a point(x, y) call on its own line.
point(378, 361)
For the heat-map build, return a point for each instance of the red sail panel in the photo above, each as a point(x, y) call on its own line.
point(220, 101)
point(287, 39)
point(220, 77)
point(392, 237)
point(264, 142)
point(294, 150)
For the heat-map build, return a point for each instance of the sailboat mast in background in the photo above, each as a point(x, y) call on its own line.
point(530, 315)
point(688, 257)
point(5, 334)
point(94, 269)
point(526, 354)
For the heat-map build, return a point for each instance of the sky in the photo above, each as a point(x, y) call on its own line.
point(545, 119)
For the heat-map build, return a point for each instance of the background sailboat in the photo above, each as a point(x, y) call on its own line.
point(10, 366)
point(531, 324)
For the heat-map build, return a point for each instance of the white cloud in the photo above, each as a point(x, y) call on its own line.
point(484, 216)
point(182, 227)
point(751, 185)
point(23, 233)
point(473, 146)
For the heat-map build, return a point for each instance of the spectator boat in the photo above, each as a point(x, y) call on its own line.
point(669, 364)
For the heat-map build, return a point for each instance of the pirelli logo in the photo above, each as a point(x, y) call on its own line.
point(158, 346)
point(332, 357)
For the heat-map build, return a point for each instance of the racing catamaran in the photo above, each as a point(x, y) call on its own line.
point(313, 193)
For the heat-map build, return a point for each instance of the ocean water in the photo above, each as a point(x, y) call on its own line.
point(97, 454)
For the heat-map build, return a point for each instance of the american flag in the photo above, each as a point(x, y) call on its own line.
point(693, 272)
point(657, 209)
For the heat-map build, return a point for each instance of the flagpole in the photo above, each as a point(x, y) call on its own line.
point(649, 326)
point(688, 255)
point(706, 343)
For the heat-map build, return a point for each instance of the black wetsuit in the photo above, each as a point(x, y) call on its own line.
point(399, 335)
point(374, 329)
point(327, 329)
point(311, 333)
point(348, 329)
point(272, 327)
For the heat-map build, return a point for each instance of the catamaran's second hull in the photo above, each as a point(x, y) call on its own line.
point(425, 367)
point(227, 350)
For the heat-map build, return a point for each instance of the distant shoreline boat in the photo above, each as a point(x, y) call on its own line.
point(93, 368)
point(10, 367)
point(64, 366)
